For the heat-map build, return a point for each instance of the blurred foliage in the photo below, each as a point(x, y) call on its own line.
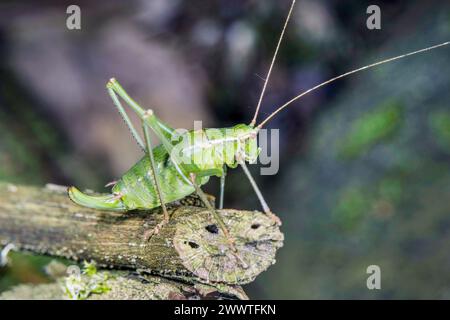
point(17, 125)
point(373, 185)
point(440, 125)
point(24, 268)
point(370, 129)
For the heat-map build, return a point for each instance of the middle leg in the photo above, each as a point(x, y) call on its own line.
point(222, 186)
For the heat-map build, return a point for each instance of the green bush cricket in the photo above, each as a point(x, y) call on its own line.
point(162, 176)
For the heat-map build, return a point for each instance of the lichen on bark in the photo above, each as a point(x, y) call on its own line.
point(45, 221)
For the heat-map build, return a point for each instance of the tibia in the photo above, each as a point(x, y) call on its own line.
point(101, 202)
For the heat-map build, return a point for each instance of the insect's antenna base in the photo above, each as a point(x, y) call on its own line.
point(253, 122)
point(345, 75)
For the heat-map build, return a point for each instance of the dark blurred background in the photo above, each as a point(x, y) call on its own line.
point(364, 163)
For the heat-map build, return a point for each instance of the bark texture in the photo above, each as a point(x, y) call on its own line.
point(191, 248)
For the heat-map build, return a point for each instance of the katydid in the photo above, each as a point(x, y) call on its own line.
point(161, 176)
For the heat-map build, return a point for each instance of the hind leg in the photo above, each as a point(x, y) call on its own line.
point(125, 117)
point(216, 216)
point(166, 217)
point(219, 220)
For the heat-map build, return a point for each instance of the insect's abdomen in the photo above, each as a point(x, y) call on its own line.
point(137, 186)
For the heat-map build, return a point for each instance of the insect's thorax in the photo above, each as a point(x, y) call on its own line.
point(212, 148)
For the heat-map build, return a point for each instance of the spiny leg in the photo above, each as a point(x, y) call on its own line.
point(125, 117)
point(114, 89)
point(222, 186)
point(216, 216)
point(162, 130)
point(263, 202)
point(164, 133)
point(157, 185)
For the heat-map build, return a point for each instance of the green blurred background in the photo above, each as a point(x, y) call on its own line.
point(364, 163)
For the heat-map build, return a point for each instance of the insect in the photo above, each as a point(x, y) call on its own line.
point(163, 175)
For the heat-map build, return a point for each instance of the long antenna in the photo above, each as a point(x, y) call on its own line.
point(345, 75)
point(271, 65)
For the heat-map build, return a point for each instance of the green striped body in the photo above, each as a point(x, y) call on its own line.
point(137, 185)
point(201, 152)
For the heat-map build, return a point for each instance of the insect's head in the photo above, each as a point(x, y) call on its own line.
point(248, 142)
